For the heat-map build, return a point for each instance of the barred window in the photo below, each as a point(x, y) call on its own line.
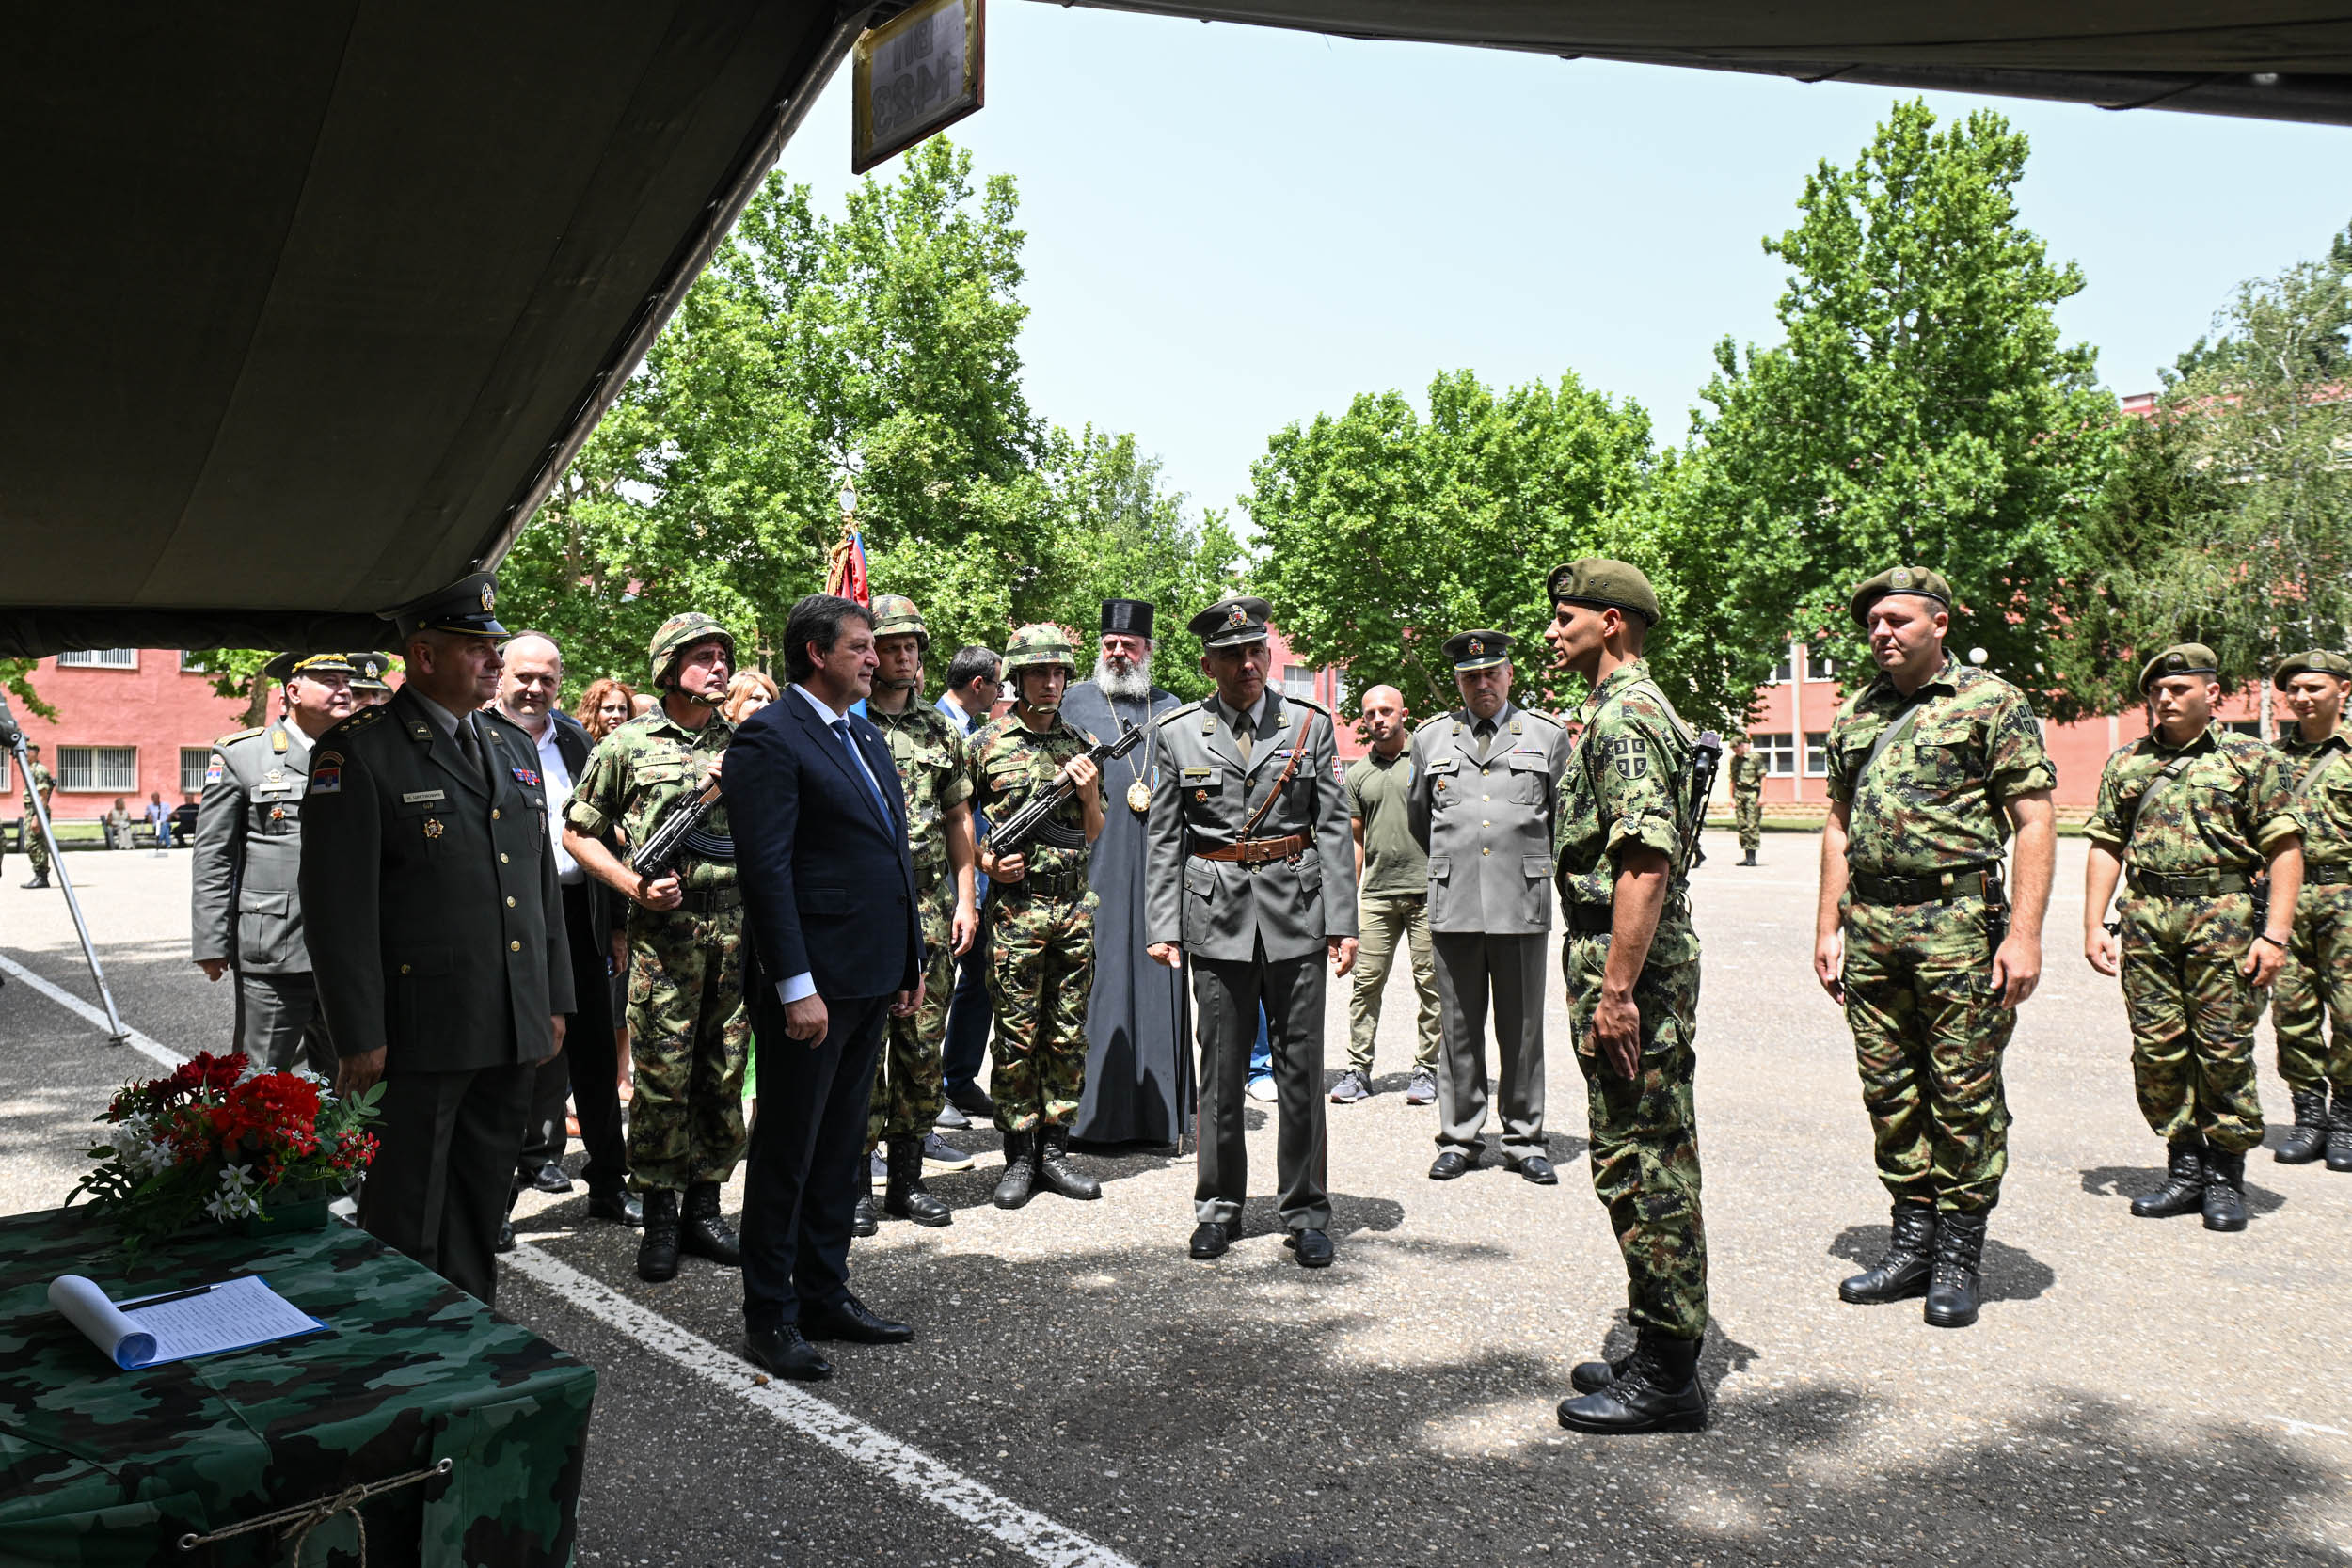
point(99, 658)
point(99, 769)
point(193, 761)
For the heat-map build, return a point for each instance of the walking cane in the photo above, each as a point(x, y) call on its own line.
point(12, 737)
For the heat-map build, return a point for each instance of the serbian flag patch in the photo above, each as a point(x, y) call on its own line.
point(327, 781)
point(216, 769)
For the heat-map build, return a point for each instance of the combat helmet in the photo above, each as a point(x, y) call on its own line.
point(1037, 646)
point(896, 616)
point(679, 633)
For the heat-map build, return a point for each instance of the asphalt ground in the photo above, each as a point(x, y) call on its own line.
point(1081, 1392)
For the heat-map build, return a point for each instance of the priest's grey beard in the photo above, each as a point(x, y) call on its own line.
point(1134, 686)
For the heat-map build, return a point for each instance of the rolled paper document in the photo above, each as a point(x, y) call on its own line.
point(86, 1308)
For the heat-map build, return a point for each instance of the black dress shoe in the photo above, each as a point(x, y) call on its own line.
point(865, 1219)
point(1210, 1239)
point(783, 1352)
point(849, 1320)
point(1537, 1169)
point(548, 1177)
point(1449, 1163)
point(971, 1101)
point(1313, 1246)
point(506, 1237)
point(617, 1204)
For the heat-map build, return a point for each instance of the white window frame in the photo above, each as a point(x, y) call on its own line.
point(1303, 685)
point(202, 757)
point(99, 658)
point(1818, 666)
point(1817, 753)
point(98, 785)
point(1778, 747)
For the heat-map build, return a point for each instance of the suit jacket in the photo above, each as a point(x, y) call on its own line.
point(1485, 812)
point(828, 886)
point(244, 901)
point(1206, 793)
point(428, 885)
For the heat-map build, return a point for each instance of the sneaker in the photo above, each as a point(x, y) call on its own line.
point(971, 1101)
point(1261, 1089)
point(951, 1119)
point(877, 1167)
point(1423, 1090)
point(1350, 1088)
point(939, 1154)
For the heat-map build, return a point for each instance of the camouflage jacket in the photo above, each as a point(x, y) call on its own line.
point(2226, 811)
point(1623, 787)
point(638, 774)
point(37, 777)
point(935, 770)
point(1747, 774)
point(1934, 799)
point(2323, 800)
point(1012, 762)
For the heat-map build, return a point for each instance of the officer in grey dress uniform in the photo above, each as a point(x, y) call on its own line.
point(1250, 877)
point(1485, 781)
point(245, 906)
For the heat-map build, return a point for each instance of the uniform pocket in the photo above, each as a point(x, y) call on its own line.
point(1531, 779)
point(1440, 867)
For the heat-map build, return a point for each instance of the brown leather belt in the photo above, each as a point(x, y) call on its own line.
point(1257, 851)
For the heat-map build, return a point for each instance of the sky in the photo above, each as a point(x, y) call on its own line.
point(1232, 228)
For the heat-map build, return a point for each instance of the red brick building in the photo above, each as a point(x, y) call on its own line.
point(131, 721)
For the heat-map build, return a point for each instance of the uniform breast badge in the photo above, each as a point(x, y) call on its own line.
point(433, 826)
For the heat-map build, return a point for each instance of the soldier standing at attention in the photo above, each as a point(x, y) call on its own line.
point(2314, 985)
point(37, 780)
point(1040, 917)
point(1747, 798)
point(689, 1032)
point(935, 775)
point(1485, 781)
point(435, 925)
point(1632, 963)
point(2196, 811)
point(1252, 878)
point(246, 892)
point(1393, 902)
point(1929, 766)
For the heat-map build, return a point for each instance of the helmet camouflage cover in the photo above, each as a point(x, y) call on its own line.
point(1037, 644)
point(679, 633)
point(896, 616)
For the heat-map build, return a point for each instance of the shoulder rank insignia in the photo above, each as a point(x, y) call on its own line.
point(277, 741)
point(233, 737)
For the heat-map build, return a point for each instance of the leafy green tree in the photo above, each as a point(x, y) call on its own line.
point(237, 675)
point(16, 678)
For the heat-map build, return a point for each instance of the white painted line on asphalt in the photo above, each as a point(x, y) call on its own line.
point(1029, 1533)
point(73, 1003)
point(2293, 1425)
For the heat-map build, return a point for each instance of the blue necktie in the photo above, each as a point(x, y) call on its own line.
point(857, 766)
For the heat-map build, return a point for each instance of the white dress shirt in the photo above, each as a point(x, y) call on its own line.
point(556, 780)
point(804, 983)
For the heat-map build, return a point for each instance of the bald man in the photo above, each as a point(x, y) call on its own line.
point(1392, 870)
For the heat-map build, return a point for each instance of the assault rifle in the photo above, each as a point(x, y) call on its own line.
point(659, 855)
point(1707, 755)
point(1014, 831)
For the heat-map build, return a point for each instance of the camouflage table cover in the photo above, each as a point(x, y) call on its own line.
point(104, 1467)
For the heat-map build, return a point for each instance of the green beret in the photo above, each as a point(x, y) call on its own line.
point(1921, 581)
point(2319, 662)
point(1478, 650)
point(1604, 585)
point(2182, 659)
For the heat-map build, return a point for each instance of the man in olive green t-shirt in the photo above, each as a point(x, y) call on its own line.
point(1392, 871)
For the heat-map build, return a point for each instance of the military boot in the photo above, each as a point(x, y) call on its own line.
point(1054, 1171)
point(1591, 1377)
point(865, 1219)
point(656, 1249)
point(2184, 1189)
point(904, 1198)
point(1952, 1287)
point(1751, 859)
point(1903, 1272)
point(705, 1233)
point(1657, 1391)
point(2340, 1130)
point(40, 878)
point(2307, 1140)
point(2225, 1190)
point(1020, 1177)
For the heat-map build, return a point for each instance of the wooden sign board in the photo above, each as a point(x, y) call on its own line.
point(912, 77)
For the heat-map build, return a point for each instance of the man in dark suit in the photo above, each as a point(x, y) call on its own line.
point(820, 851)
point(437, 933)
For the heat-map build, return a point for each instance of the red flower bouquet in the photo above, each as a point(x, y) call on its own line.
point(220, 1139)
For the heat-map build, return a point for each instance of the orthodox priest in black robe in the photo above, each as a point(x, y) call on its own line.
point(1138, 1080)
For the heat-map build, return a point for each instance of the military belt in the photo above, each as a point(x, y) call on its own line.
point(1590, 920)
point(1041, 884)
point(2326, 873)
point(1936, 887)
point(1257, 851)
point(2192, 884)
point(709, 900)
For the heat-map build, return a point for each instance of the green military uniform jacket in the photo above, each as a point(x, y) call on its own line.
point(1011, 763)
point(434, 923)
point(36, 777)
point(1747, 774)
point(637, 775)
point(2321, 778)
point(245, 897)
point(1224, 910)
point(1484, 809)
point(2226, 809)
point(1933, 802)
point(934, 774)
point(1623, 787)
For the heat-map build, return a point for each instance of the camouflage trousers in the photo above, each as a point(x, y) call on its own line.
point(689, 1034)
point(1928, 1037)
point(2192, 1011)
point(1041, 976)
point(1645, 1138)
point(1747, 816)
point(2314, 991)
point(908, 1088)
point(35, 842)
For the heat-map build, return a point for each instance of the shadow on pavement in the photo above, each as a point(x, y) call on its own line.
point(2128, 1181)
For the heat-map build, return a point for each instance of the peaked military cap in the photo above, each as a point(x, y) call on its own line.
point(1603, 584)
point(1478, 650)
point(1231, 621)
point(285, 667)
point(467, 607)
point(2319, 662)
point(369, 670)
point(2182, 659)
point(1127, 617)
point(1921, 581)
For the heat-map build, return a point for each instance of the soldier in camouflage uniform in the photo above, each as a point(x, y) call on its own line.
point(2314, 985)
point(935, 774)
point(1621, 845)
point(1929, 766)
point(1040, 917)
point(36, 777)
point(690, 1032)
point(1747, 798)
point(2197, 811)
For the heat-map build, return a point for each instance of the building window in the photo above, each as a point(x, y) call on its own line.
point(1298, 681)
point(1779, 752)
point(1817, 753)
point(98, 769)
point(193, 761)
point(1818, 666)
point(2245, 726)
point(191, 665)
point(99, 658)
point(1780, 672)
